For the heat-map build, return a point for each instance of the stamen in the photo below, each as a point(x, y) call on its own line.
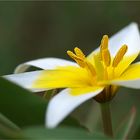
point(72, 55)
point(104, 52)
point(106, 57)
point(78, 60)
point(104, 42)
point(79, 53)
point(119, 56)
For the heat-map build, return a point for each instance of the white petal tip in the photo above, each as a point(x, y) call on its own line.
point(134, 26)
point(51, 125)
point(25, 80)
point(63, 104)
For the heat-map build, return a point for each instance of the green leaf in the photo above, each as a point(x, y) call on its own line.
point(4, 121)
point(124, 100)
point(6, 133)
point(71, 122)
point(63, 133)
point(127, 125)
point(7, 128)
point(21, 106)
point(25, 108)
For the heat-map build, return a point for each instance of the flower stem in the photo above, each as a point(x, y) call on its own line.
point(106, 118)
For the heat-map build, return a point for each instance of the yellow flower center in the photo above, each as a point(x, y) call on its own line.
point(102, 69)
point(108, 63)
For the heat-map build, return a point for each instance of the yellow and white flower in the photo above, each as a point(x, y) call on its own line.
point(95, 76)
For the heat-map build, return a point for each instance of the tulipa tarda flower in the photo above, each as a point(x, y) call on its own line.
point(96, 76)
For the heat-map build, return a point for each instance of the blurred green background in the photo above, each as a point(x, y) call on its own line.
point(31, 30)
point(35, 29)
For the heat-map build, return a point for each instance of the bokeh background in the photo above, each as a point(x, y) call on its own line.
point(31, 30)
point(35, 29)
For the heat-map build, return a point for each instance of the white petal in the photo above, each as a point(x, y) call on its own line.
point(44, 63)
point(130, 36)
point(25, 80)
point(63, 104)
point(128, 83)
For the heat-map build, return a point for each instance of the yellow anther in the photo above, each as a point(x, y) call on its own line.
point(104, 42)
point(106, 58)
point(119, 56)
point(79, 52)
point(104, 52)
point(78, 60)
point(72, 55)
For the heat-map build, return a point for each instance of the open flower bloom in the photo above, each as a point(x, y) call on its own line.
point(96, 76)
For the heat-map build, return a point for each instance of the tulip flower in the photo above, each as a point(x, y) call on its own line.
point(97, 75)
